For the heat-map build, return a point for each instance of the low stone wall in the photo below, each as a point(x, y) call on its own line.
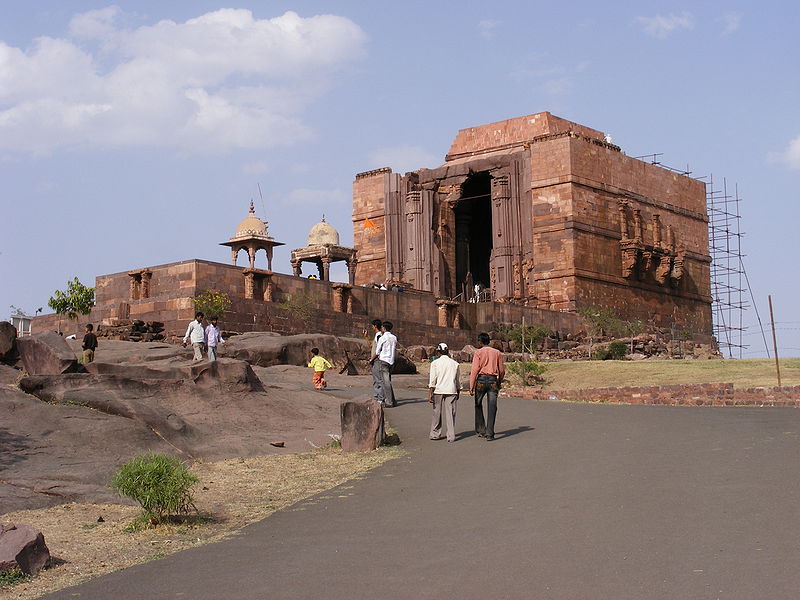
point(704, 394)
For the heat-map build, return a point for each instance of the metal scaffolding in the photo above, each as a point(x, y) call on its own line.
point(728, 277)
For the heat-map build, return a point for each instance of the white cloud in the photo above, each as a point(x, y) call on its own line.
point(487, 27)
point(221, 81)
point(731, 22)
point(662, 26)
point(789, 157)
point(404, 158)
point(257, 167)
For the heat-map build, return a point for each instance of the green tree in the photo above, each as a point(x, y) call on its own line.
point(600, 321)
point(77, 299)
point(213, 303)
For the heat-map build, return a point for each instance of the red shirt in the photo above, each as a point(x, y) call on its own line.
point(486, 361)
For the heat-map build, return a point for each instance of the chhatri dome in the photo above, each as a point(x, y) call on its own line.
point(251, 236)
point(323, 249)
point(323, 234)
point(251, 226)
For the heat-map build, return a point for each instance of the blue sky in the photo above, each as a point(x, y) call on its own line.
point(135, 133)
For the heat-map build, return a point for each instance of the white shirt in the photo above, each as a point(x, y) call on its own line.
point(444, 377)
point(195, 333)
point(386, 347)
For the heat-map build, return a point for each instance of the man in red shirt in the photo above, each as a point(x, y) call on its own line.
point(485, 378)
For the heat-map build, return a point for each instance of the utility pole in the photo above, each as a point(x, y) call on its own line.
point(774, 341)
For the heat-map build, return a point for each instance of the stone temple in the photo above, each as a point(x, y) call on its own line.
point(545, 213)
point(543, 216)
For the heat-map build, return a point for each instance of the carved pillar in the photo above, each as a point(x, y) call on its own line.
point(134, 285)
point(351, 271)
point(296, 270)
point(326, 269)
point(249, 285)
point(502, 255)
point(341, 297)
point(269, 288)
point(251, 253)
point(268, 250)
point(443, 314)
point(145, 285)
point(656, 231)
point(670, 239)
point(234, 255)
point(622, 206)
point(638, 226)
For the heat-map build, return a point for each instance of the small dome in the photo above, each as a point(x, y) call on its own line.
point(323, 234)
point(251, 225)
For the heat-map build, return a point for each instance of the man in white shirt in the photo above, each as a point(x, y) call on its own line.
point(384, 358)
point(443, 391)
point(196, 335)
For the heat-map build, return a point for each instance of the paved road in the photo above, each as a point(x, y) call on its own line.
point(571, 501)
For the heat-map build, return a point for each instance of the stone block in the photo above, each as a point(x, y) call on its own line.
point(362, 425)
point(23, 547)
point(46, 353)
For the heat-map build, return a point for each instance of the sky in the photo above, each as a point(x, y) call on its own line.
point(136, 133)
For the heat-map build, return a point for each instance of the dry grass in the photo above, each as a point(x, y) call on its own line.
point(231, 494)
point(612, 373)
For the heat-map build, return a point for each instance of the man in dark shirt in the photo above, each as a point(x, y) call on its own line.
point(89, 344)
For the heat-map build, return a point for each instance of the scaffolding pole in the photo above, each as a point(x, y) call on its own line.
point(727, 267)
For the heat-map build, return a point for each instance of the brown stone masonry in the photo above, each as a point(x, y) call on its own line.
point(706, 394)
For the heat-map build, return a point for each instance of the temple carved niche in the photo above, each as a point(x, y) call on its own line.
point(662, 260)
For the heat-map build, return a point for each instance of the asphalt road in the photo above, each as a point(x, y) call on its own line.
point(571, 501)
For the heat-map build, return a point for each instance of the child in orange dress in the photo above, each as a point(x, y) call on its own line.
point(320, 365)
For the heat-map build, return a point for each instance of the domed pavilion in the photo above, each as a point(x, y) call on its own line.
point(252, 235)
point(323, 248)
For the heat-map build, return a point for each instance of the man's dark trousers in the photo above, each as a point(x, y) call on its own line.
point(486, 385)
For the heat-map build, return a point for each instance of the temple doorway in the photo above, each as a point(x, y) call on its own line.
point(473, 217)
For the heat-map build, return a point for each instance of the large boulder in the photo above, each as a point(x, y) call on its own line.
point(46, 354)
point(8, 335)
point(22, 547)
point(9, 374)
point(403, 365)
point(362, 426)
point(267, 349)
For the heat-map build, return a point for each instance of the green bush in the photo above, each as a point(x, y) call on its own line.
point(616, 350)
point(528, 337)
point(160, 484)
point(528, 372)
point(12, 577)
point(613, 351)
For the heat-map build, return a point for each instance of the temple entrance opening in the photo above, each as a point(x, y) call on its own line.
point(473, 217)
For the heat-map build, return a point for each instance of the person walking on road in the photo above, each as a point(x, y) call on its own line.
point(485, 379)
point(384, 358)
point(213, 339)
point(443, 390)
point(196, 335)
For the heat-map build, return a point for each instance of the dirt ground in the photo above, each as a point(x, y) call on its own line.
point(88, 540)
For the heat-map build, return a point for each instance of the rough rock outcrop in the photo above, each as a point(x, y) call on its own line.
point(9, 374)
point(22, 547)
point(63, 436)
point(46, 354)
point(8, 336)
point(362, 426)
point(266, 349)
